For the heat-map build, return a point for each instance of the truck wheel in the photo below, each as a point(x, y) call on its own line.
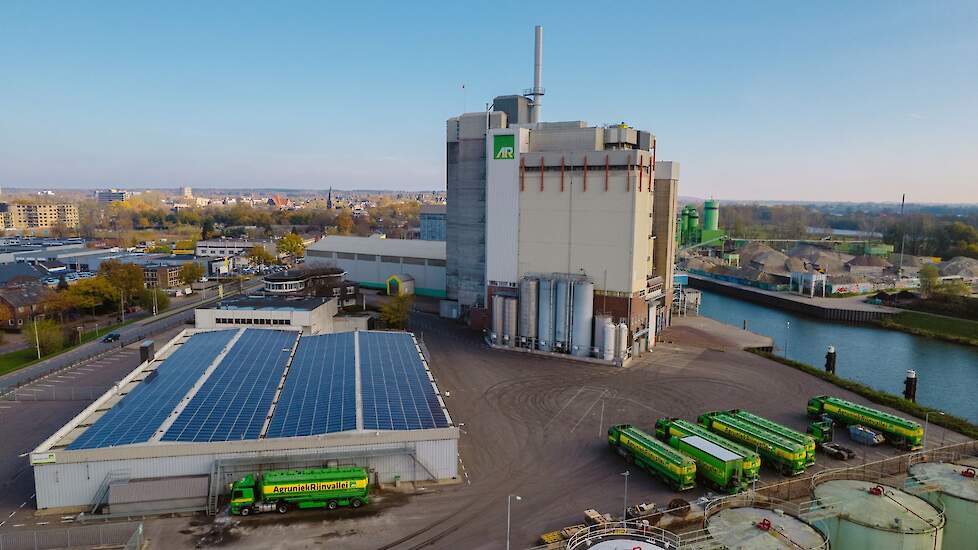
point(332, 505)
point(246, 510)
point(282, 507)
point(356, 503)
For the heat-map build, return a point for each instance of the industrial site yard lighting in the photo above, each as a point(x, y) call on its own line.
point(624, 508)
point(509, 514)
point(787, 325)
point(926, 421)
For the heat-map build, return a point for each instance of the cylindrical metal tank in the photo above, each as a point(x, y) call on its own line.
point(957, 492)
point(498, 304)
point(610, 339)
point(545, 315)
point(711, 215)
point(528, 310)
point(509, 321)
point(861, 514)
point(621, 340)
point(684, 224)
point(583, 319)
point(694, 219)
point(753, 527)
point(562, 312)
point(597, 343)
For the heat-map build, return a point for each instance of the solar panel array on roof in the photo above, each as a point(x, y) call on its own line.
point(320, 391)
point(396, 391)
point(234, 401)
point(140, 413)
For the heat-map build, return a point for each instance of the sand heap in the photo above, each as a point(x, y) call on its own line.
point(965, 267)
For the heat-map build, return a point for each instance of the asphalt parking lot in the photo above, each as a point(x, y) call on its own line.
point(535, 427)
point(31, 413)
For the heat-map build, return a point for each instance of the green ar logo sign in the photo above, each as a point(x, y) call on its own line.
point(503, 147)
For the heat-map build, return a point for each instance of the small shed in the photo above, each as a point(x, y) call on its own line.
point(400, 285)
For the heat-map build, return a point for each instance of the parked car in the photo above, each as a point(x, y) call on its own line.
point(837, 451)
point(111, 337)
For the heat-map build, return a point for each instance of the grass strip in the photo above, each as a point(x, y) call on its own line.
point(961, 331)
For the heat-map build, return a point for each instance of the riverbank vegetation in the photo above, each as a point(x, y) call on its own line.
point(948, 421)
point(961, 331)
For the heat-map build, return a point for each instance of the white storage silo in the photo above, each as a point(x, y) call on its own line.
point(597, 343)
point(509, 321)
point(498, 314)
point(621, 341)
point(953, 487)
point(582, 319)
point(529, 287)
point(864, 514)
point(610, 338)
point(562, 312)
point(545, 315)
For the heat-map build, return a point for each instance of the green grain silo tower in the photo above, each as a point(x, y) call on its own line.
point(711, 215)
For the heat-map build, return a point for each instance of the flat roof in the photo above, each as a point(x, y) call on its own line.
point(267, 303)
point(412, 248)
point(239, 385)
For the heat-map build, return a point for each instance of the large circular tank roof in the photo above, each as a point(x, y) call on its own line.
point(621, 544)
point(954, 479)
point(878, 506)
point(761, 529)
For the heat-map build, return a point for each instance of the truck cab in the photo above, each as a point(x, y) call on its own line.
point(243, 495)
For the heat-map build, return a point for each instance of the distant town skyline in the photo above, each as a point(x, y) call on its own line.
point(760, 101)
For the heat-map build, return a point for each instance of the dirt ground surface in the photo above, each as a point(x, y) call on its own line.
point(536, 427)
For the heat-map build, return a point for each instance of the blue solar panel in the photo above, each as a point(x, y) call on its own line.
point(396, 391)
point(233, 402)
point(320, 391)
point(140, 413)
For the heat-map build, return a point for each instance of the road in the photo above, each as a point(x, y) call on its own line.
point(129, 334)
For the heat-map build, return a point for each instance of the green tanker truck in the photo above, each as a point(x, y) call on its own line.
point(901, 432)
point(672, 466)
point(281, 490)
point(781, 454)
point(666, 428)
point(716, 466)
point(805, 440)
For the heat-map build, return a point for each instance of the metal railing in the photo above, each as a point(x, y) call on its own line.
point(116, 535)
point(622, 530)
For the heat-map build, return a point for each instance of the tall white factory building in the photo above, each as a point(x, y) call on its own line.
point(561, 199)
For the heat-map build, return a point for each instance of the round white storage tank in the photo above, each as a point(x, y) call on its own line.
point(621, 341)
point(545, 315)
point(509, 321)
point(610, 332)
point(744, 527)
point(528, 310)
point(863, 515)
point(598, 342)
point(583, 319)
point(957, 492)
point(498, 314)
point(562, 307)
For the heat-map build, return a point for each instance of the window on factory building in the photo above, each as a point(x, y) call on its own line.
point(436, 263)
point(391, 259)
point(346, 256)
point(367, 257)
point(413, 261)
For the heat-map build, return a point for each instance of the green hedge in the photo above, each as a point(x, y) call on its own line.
point(950, 422)
point(961, 331)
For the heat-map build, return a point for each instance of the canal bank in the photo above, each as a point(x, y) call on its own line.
point(847, 310)
point(875, 357)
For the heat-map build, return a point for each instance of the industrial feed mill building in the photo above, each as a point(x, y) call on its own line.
point(213, 406)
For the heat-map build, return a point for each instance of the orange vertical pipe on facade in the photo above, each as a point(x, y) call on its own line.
point(541, 172)
point(522, 173)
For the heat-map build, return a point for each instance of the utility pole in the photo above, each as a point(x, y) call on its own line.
point(122, 305)
point(624, 508)
point(903, 237)
point(37, 338)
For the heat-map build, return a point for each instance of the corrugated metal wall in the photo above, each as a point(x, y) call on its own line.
point(76, 484)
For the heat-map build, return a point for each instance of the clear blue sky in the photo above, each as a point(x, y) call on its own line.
point(757, 100)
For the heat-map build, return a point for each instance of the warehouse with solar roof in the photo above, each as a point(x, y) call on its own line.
point(212, 406)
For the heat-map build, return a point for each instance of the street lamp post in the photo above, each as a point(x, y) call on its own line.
point(787, 326)
point(926, 421)
point(509, 509)
point(624, 508)
point(37, 339)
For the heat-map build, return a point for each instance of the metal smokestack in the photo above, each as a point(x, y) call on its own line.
point(536, 93)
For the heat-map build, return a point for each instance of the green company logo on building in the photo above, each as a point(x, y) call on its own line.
point(503, 147)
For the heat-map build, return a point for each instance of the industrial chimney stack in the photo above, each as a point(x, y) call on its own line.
point(535, 94)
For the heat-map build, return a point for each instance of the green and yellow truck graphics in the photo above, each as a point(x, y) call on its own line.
point(777, 452)
point(281, 490)
point(803, 439)
point(898, 431)
point(665, 428)
point(657, 458)
point(716, 466)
